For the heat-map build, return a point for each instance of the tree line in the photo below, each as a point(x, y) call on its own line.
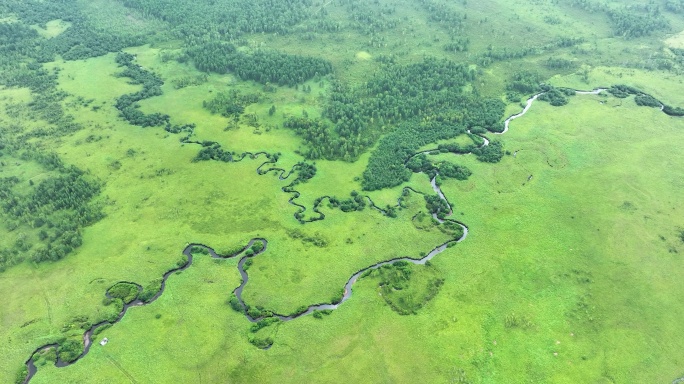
point(371, 20)
point(355, 118)
point(409, 106)
point(643, 99)
point(675, 6)
point(81, 40)
point(57, 209)
point(634, 20)
point(422, 164)
point(387, 164)
point(262, 66)
point(151, 86)
point(202, 21)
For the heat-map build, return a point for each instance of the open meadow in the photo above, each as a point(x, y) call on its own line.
point(341, 135)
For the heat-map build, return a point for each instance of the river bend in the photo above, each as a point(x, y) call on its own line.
point(243, 258)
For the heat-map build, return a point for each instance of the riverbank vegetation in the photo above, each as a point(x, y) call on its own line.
point(314, 114)
point(406, 288)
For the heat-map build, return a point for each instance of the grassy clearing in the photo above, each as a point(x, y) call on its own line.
point(93, 79)
point(676, 40)
point(52, 28)
point(115, 17)
point(662, 85)
point(185, 107)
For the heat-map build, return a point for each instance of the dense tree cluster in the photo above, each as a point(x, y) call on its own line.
point(201, 21)
point(69, 350)
point(81, 40)
point(559, 63)
point(637, 21)
point(634, 20)
point(179, 128)
point(262, 66)
point(401, 92)
point(556, 96)
point(456, 148)
point(356, 202)
point(126, 292)
point(677, 58)
point(386, 167)
point(421, 164)
point(213, 151)
point(305, 172)
point(675, 6)
point(459, 44)
point(644, 99)
point(67, 191)
point(622, 91)
point(491, 153)
point(397, 93)
point(647, 101)
point(453, 171)
point(230, 103)
point(151, 86)
point(317, 133)
point(673, 111)
point(523, 83)
point(370, 18)
point(59, 206)
point(436, 205)
point(213, 56)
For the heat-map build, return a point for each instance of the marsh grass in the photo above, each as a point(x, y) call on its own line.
point(556, 282)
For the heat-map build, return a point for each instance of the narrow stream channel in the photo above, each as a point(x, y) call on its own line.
point(88, 335)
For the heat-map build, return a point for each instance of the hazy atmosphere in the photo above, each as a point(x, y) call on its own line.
point(304, 191)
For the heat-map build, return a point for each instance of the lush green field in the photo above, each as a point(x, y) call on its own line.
point(568, 289)
point(572, 268)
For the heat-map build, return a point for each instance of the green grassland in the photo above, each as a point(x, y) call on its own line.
point(661, 84)
point(597, 258)
point(569, 289)
point(157, 201)
point(571, 271)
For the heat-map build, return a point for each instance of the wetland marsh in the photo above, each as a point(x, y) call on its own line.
point(184, 178)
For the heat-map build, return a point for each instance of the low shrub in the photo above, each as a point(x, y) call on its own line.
point(235, 303)
point(70, 350)
point(127, 292)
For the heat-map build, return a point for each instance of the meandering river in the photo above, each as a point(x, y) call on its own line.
point(243, 258)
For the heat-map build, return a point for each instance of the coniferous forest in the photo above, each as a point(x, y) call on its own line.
point(317, 191)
